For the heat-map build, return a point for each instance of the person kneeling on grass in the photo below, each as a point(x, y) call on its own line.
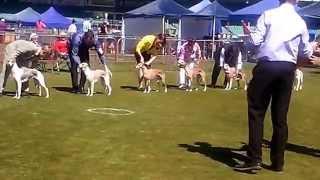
point(188, 54)
point(147, 50)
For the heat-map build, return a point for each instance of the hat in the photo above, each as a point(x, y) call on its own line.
point(33, 36)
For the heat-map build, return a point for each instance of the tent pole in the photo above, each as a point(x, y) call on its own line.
point(180, 32)
point(123, 36)
point(213, 34)
point(163, 31)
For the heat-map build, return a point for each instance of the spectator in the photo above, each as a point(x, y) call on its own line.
point(72, 28)
point(60, 47)
point(40, 26)
point(104, 27)
point(86, 25)
point(3, 25)
point(34, 38)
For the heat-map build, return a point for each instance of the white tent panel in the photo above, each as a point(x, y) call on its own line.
point(195, 27)
point(139, 27)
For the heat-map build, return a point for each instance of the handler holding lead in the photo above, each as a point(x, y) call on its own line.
point(80, 45)
point(147, 50)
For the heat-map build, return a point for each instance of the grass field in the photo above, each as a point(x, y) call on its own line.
point(173, 136)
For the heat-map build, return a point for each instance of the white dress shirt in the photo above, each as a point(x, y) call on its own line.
point(281, 34)
point(86, 26)
point(72, 29)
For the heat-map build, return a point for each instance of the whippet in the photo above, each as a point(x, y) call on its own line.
point(152, 74)
point(24, 74)
point(95, 75)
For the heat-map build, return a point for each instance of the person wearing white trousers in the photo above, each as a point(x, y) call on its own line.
point(188, 54)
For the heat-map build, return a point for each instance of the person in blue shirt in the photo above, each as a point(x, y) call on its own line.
point(80, 43)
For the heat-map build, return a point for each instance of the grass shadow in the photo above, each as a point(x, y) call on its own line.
point(63, 89)
point(297, 149)
point(227, 156)
point(132, 88)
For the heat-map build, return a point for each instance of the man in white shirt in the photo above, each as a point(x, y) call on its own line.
point(281, 34)
point(86, 25)
point(72, 28)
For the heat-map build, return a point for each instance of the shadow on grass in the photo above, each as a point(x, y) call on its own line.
point(227, 156)
point(315, 72)
point(132, 88)
point(63, 89)
point(23, 94)
point(297, 149)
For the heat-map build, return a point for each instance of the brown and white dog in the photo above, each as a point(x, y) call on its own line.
point(152, 74)
point(95, 75)
point(298, 80)
point(195, 73)
point(230, 76)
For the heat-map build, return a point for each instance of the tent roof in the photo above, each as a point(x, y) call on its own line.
point(28, 15)
point(54, 19)
point(310, 10)
point(258, 8)
point(161, 8)
point(214, 9)
point(200, 6)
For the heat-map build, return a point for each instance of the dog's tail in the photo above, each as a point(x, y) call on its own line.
point(108, 70)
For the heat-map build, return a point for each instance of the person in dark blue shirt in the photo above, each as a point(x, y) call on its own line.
point(80, 43)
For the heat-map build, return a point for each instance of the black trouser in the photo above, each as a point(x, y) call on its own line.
point(215, 74)
point(271, 80)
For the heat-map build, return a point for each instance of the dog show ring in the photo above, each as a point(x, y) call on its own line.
point(111, 111)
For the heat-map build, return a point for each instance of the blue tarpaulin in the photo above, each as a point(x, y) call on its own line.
point(200, 6)
point(258, 8)
point(160, 8)
point(54, 19)
point(214, 9)
point(27, 16)
point(312, 10)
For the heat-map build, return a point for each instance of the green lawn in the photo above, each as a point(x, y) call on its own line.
point(173, 136)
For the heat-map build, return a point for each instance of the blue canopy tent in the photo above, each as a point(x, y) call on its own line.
point(160, 8)
point(150, 19)
point(54, 19)
point(311, 14)
point(27, 15)
point(251, 13)
point(312, 10)
point(200, 6)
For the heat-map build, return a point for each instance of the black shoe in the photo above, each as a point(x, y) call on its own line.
point(276, 168)
point(75, 90)
point(251, 168)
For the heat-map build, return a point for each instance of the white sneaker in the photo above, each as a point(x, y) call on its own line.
point(181, 86)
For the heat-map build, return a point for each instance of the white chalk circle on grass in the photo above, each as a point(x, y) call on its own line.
point(111, 111)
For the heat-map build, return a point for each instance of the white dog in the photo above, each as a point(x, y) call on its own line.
point(298, 80)
point(232, 76)
point(24, 74)
point(95, 75)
